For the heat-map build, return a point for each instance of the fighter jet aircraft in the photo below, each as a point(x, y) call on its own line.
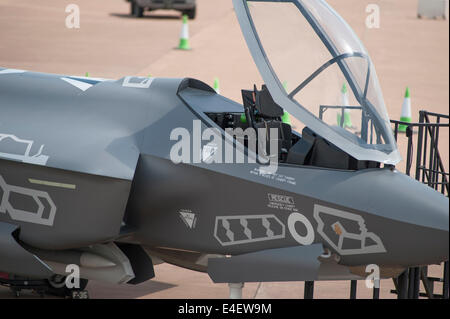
point(115, 176)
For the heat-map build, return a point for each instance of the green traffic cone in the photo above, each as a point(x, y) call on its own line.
point(184, 37)
point(347, 120)
point(217, 85)
point(406, 111)
point(286, 118)
point(347, 115)
point(243, 118)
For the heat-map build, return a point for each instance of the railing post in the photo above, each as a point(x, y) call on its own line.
point(402, 283)
point(411, 282)
point(309, 290)
point(419, 147)
point(353, 286)
point(409, 134)
point(445, 286)
point(416, 283)
point(376, 291)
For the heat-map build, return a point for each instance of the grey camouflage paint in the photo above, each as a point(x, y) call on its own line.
point(112, 142)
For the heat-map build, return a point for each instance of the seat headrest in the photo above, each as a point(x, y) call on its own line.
point(266, 105)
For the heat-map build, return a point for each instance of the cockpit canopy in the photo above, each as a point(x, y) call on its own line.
point(316, 68)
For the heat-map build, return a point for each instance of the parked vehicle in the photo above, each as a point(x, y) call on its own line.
point(187, 7)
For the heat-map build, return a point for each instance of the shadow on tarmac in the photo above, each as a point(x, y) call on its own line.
point(148, 16)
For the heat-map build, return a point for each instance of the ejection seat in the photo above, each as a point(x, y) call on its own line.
point(261, 111)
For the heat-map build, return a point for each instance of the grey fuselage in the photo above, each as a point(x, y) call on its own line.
point(98, 164)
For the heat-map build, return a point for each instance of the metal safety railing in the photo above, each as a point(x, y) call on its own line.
point(430, 170)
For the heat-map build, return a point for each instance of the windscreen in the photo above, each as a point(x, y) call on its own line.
point(317, 69)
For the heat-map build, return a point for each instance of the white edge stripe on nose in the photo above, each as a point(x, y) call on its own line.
point(10, 71)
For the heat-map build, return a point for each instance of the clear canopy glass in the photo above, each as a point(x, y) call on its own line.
point(317, 69)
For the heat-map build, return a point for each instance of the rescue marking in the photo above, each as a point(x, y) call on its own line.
point(281, 198)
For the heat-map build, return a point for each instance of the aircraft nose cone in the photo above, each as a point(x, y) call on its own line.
point(433, 245)
point(409, 219)
point(438, 243)
point(425, 214)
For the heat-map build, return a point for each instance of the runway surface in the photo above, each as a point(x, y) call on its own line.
point(111, 44)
